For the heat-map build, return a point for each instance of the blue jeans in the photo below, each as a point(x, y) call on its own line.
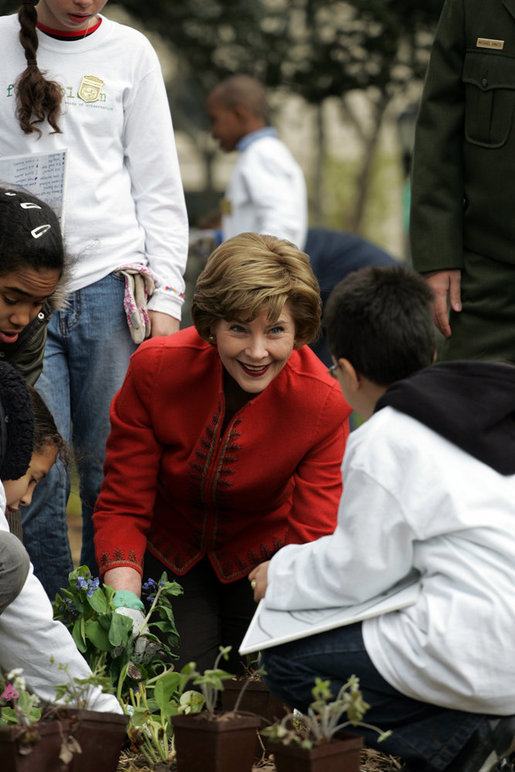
point(86, 357)
point(426, 736)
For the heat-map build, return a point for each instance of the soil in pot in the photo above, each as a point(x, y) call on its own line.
point(342, 755)
point(225, 744)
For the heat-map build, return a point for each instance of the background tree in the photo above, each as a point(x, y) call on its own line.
point(317, 49)
point(314, 48)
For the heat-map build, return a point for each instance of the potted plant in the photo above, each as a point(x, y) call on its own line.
point(94, 738)
point(53, 737)
point(32, 737)
point(211, 740)
point(317, 741)
point(252, 695)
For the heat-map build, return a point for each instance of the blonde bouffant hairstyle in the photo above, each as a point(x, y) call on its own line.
point(249, 273)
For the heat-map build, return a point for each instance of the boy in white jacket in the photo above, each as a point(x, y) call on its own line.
point(429, 483)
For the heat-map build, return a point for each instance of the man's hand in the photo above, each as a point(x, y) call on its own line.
point(445, 284)
point(258, 579)
point(162, 324)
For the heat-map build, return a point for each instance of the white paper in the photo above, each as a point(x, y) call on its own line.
point(42, 174)
point(271, 628)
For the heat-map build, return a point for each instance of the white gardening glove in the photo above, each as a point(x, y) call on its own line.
point(128, 604)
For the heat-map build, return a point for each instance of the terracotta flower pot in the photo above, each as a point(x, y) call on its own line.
point(343, 755)
point(33, 749)
point(225, 744)
point(256, 699)
point(37, 748)
point(100, 736)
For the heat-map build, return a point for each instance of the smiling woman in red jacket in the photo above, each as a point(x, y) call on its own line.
point(226, 443)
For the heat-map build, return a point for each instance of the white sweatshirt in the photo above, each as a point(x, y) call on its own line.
point(413, 499)
point(125, 201)
point(266, 193)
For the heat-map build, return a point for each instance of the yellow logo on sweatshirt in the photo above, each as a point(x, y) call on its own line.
point(90, 88)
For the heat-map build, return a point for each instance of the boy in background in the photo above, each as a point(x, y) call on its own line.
point(267, 192)
point(429, 483)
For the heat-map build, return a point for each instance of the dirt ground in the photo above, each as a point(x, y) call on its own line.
point(371, 761)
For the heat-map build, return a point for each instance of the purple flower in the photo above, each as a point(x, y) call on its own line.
point(81, 583)
point(93, 585)
point(148, 589)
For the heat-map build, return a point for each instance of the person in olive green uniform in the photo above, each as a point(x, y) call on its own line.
point(463, 183)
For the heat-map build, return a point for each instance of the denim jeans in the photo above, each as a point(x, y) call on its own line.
point(426, 736)
point(86, 357)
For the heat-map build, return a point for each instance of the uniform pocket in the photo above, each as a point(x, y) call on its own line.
point(489, 98)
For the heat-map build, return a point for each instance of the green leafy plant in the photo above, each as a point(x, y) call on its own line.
point(77, 690)
point(324, 717)
point(150, 707)
point(18, 705)
point(211, 681)
point(106, 638)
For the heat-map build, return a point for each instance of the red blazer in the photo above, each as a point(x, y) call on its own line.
point(175, 485)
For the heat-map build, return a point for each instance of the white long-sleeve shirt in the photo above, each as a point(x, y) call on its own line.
point(30, 638)
point(413, 499)
point(124, 201)
point(267, 191)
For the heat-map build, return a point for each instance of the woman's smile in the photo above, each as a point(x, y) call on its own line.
point(254, 370)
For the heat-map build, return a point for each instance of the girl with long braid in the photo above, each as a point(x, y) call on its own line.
point(71, 78)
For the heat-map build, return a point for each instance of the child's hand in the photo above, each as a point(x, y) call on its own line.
point(258, 579)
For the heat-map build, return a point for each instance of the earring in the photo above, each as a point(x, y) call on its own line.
point(211, 338)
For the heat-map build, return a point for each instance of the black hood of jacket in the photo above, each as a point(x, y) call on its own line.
point(471, 404)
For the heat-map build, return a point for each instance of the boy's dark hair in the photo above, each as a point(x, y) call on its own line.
point(16, 424)
point(381, 320)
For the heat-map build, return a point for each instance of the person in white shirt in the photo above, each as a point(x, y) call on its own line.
point(429, 484)
point(267, 190)
point(77, 81)
point(30, 638)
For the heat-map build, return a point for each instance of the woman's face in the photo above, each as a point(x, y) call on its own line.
point(254, 353)
point(18, 493)
point(69, 15)
point(22, 293)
